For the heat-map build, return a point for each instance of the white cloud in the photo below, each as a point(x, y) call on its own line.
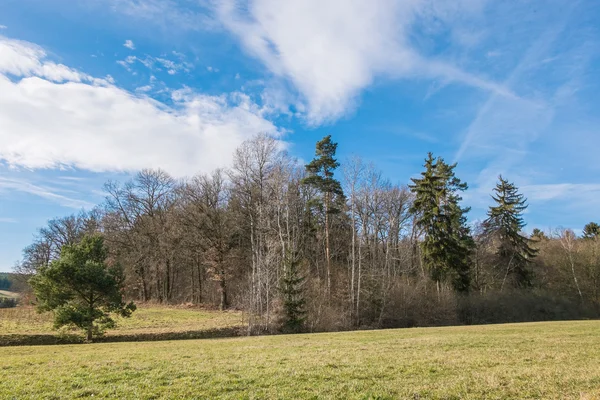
point(129, 44)
point(19, 59)
point(52, 116)
point(3, 27)
point(332, 50)
point(8, 220)
point(157, 63)
point(144, 89)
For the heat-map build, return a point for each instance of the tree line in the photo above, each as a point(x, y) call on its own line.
point(325, 246)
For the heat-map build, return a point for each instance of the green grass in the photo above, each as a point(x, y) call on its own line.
point(23, 325)
point(558, 360)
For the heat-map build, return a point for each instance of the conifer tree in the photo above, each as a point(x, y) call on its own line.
point(503, 226)
point(447, 241)
point(292, 293)
point(591, 231)
point(538, 235)
point(81, 288)
point(321, 177)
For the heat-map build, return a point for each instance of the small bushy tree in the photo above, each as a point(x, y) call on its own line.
point(81, 288)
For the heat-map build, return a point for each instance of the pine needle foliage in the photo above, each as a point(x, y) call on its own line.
point(503, 227)
point(447, 241)
point(81, 289)
point(293, 296)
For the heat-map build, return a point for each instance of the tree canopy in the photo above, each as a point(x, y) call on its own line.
point(81, 288)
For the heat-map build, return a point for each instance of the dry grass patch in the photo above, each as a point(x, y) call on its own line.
point(23, 325)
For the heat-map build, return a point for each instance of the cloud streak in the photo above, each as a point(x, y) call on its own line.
point(44, 192)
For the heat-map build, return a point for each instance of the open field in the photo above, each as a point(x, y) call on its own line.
point(23, 325)
point(6, 293)
point(558, 360)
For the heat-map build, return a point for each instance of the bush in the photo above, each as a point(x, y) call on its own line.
point(520, 306)
point(7, 302)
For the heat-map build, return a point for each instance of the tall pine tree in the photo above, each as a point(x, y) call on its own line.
point(321, 177)
point(447, 241)
point(503, 227)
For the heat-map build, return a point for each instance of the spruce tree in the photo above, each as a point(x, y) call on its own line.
point(447, 241)
point(503, 227)
point(293, 298)
point(591, 231)
point(321, 177)
point(538, 235)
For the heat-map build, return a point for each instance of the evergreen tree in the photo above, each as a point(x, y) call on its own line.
point(538, 235)
point(81, 288)
point(292, 293)
point(447, 241)
point(504, 226)
point(591, 231)
point(321, 177)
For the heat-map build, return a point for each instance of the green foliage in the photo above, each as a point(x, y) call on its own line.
point(321, 175)
point(5, 283)
point(447, 243)
point(81, 289)
point(503, 226)
point(591, 230)
point(8, 302)
point(293, 296)
point(538, 235)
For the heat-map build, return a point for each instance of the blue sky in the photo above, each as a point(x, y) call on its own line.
point(98, 89)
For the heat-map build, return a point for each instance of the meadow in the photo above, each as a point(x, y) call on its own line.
point(23, 325)
point(545, 360)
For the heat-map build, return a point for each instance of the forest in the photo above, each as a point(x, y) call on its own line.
point(326, 246)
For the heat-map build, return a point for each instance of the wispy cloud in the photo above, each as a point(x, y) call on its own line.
point(44, 192)
point(157, 64)
point(332, 51)
point(129, 44)
point(167, 14)
point(3, 27)
point(8, 220)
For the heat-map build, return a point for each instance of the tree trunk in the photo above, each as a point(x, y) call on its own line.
point(223, 290)
point(327, 255)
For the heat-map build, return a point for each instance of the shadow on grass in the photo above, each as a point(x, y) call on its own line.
point(50, 339)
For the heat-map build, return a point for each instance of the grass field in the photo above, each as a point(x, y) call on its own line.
point(558, 360)
point(6, 293)
point(23, 325)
